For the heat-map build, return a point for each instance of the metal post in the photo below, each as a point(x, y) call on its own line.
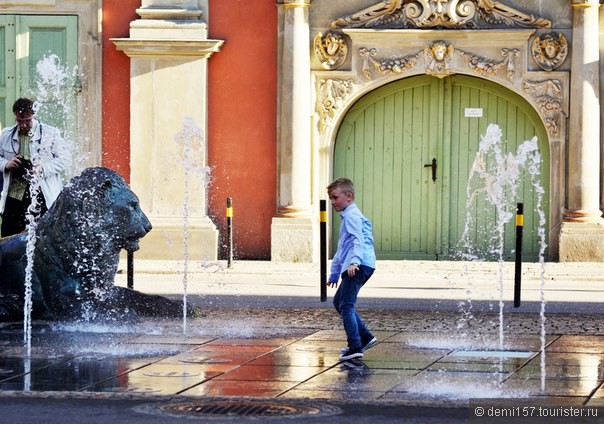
point(229, 216)
point(323, 249)
point(518, 269)
point(130, 269)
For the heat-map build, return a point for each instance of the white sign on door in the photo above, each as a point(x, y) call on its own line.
point(473, 112)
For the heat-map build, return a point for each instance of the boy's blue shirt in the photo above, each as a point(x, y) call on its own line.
point(355, 243)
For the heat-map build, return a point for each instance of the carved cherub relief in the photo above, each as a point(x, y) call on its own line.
point(438, 56)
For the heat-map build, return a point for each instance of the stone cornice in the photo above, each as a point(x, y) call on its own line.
point(585, 3)
point(167, 48)
point(177, 13)
point(294, 3)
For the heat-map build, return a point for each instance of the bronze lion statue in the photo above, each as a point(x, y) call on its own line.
point(76, 256)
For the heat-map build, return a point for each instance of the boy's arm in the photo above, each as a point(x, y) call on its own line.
point(334, 277)
point(336, 262)
point(355, 229)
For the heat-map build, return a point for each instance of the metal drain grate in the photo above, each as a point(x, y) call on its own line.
point(242, 408)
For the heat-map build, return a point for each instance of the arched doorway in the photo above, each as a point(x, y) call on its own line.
point(389, 139)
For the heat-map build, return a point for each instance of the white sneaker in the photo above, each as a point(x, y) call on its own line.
point(350, 354)
point(369, 344)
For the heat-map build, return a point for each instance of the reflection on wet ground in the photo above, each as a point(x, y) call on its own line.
point(303, 364)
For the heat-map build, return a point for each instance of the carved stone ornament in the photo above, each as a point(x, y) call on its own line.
point(332, 95)
point(331, 50)
point(484, 66)
point(389, 66)
point(438, 57)
point(396, 14)
point(548, 95)
point(549, 50)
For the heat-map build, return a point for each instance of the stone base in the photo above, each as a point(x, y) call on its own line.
point(582, 242)
point(292, 240)
point(166, 241)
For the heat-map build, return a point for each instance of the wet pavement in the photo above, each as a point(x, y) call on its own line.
point(435, 360)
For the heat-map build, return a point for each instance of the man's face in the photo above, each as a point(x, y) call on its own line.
point(339, 199)
point(24, 120)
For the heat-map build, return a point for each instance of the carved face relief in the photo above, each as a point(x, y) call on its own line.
point(331, 50)
point(439, 50)
point(438, 57)
point(549, 50)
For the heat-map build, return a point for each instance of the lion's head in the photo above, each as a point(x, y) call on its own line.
point(77, 247)
point(80, 237)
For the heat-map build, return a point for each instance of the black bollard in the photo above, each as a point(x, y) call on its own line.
point(130, 271)
point(518, 269)
point(229, 216)
point(323, 249)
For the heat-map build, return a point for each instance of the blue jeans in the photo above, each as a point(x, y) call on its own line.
point(344, 301)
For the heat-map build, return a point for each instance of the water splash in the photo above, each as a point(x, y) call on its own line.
point(496, 177)
point(54, 104)
point(191, 142)
point(31, 217)
point(55, 101)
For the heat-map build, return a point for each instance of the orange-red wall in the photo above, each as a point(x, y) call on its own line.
point(117, 15)
point(242, 84)
point(242, 90)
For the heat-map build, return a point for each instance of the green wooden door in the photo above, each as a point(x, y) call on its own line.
point(394, 140)
point(28, 41)
point(472, 105)
point(8, 70)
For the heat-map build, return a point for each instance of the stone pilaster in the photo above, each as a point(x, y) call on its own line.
point(168, 50)
point(582, 232)
point(292, 231)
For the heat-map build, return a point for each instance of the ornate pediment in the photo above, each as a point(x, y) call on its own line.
point(398, 14)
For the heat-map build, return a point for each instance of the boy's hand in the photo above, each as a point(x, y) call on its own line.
point(352, 270)
point(332, 284)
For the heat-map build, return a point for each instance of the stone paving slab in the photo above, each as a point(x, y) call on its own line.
point(420, 356)
point(262, 345)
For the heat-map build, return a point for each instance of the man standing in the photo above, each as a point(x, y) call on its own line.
point(33, 157)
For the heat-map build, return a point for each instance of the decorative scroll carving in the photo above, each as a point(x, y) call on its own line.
point(368, 56)
point(330, 50)
point(439, 14)
point(438, 56)
point(481, 65)
point(333, 92)
point(437, 59)
point(548, 95)
point(509, 55)
point(389, 66)
point(497, 13)
point(550, 51)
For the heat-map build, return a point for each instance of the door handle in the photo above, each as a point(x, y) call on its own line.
point(432, 165)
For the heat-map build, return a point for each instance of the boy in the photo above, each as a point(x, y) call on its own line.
point(354, 261)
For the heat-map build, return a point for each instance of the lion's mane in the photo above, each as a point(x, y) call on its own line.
point(80, 238)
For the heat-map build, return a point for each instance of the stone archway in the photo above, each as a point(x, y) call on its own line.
point(380, 57)
point(410, 145)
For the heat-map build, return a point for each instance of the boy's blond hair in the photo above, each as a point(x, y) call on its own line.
point(344, 184)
